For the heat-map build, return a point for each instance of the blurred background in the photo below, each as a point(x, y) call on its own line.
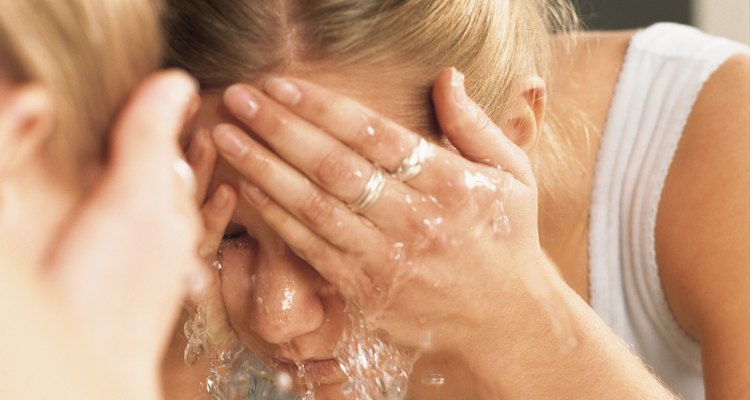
point(728, 18)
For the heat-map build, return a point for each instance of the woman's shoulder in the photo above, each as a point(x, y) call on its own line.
point(703, 227)
point(703, 224)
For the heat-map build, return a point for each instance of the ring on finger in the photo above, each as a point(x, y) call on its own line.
point(412, 164)
point(372, 192)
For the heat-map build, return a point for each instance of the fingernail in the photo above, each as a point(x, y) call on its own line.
point(283, 91)
point(241, 101)
point(252, 193)
point(229, 141)
point(208, 249)
point(458, 85)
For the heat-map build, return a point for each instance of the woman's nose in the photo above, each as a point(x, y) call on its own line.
point(286, 304)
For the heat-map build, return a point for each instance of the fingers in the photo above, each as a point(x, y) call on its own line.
point(310, 205)
point(320, 134)
point(379, 139)
point(138, 231)
point(471, 131)
point(216, 215)
point(326, 258)
point(201, 155)
point(332, 139)
point(324, 159)
point(144, 140)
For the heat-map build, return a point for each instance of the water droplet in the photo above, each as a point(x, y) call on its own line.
point(433, 380)
point(286, 303)
point(397, 254)
point(425, 340)
point(478, 180)
point(500, 219)
point(347, 389)
point(283, 381)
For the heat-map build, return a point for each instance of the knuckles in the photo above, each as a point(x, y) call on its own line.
point(337, 169)
point(468, 123)
point(318, 209)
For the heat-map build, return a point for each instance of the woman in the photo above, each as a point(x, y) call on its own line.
point(88, 304)
point(484, 257)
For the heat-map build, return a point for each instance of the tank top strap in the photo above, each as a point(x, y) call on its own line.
point(665, 68)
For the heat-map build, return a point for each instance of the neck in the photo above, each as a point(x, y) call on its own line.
point(564, 199)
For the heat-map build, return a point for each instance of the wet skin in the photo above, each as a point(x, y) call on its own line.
point(280, 306)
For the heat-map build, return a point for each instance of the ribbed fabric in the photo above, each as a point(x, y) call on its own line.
point(665, 69)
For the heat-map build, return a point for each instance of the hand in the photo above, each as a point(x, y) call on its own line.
point(209, 329)
point(128, 256)
point(433, 253)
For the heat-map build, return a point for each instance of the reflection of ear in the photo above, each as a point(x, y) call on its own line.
point(25, 125)
point(527, 113)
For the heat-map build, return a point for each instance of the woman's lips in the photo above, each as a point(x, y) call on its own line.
point(317, 372)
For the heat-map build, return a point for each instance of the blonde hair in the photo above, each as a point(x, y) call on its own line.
point(495, 43)
point(89, 54)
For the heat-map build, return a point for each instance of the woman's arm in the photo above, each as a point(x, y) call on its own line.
point(523, 352)
point(703, 230)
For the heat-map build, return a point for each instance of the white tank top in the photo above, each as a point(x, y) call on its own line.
point(664, 70)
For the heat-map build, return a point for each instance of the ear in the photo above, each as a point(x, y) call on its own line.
point(527, 113)
point(26, 121)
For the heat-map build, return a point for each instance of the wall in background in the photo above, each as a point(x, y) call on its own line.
point(729, 18)
point(628, 14)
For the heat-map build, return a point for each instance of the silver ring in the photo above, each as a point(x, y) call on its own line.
point(370, 195)
point(412, 165)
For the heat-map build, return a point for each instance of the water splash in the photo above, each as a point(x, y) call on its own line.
point(234, 373)
point(195, 332)
point(376, 368)
point(239, 375)
point(301, 373)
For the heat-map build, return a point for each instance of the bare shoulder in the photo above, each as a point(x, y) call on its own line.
point(703, 229)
